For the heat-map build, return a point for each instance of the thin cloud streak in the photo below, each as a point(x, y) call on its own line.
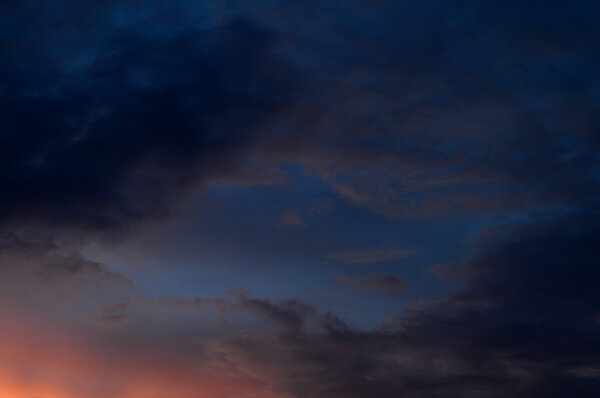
point(369, 256)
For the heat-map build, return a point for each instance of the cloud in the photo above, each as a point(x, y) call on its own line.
point(122, 138)
point(288, 314)
point(113, 315)
point(111, 320)
point(526, 324)
point(112, 362)
point(131, 118)
point(113, 113)
point(429, 123)
point(298, 216)
point(291, 218)
point(369, 256)
point(384, 284)
point(108, 132)
point(55, 262)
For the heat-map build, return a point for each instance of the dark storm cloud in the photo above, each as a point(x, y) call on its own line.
point(103, 125)
point(111, 112)
point(526, 324)
point(114, 140)
point(529, 315)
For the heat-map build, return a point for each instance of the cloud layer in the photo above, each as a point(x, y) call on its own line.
point(336, 133)
point(525, 325)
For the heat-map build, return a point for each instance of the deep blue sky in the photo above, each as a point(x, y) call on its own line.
point(299, 199)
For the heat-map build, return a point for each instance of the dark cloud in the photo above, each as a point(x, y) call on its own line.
point(291, 218)
point(105, 124)
point(385, 284)
point(115, 140)
point(406, 118)
point(113, 113)
point(445, 108)
point(369, 256)
point(288, 314)
point(113, 315)
point(111, 320)
point(55, 262)
point(525, 325)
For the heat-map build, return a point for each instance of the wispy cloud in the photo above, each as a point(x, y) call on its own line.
point(378, 283)
point(369, 256)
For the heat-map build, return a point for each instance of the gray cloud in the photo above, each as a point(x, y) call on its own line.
point(409, 109)
point(385, 284)
point(369, 256)
point(503, 335)
point(55, 262)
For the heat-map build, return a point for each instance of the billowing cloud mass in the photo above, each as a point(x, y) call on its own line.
point(115, 138)
point(278, 199)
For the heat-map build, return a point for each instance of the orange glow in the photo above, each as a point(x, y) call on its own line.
point(41, 363)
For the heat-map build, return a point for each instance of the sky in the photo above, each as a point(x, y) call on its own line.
point(299, 199)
